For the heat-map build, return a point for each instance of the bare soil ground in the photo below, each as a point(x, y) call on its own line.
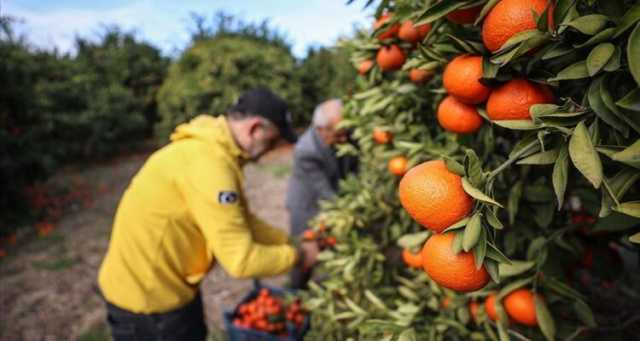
point(47, 284)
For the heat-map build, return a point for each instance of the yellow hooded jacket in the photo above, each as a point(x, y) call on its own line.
point(183, 211)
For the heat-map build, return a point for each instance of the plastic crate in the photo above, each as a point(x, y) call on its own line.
point(241, 334)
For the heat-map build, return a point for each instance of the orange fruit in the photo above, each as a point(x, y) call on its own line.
point(490, 306)
point(450, 270)
point(391, 32)
point(445, 302)
point(510, 17)
point(461, 79)
point(433, 196)
point(458, 117)
point(390, 57)
point(365, 66)
point(512, 100)
point(413, 260)
point(465, 15)
point(520, 307)
point(420, 76)
point(309, 235)
point(381, 136)
point(473, 310)
point(413, 34)
point(398, 165)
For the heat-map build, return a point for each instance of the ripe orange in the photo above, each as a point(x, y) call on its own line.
point(445, 302)
point(309, 235)
point(454, 271)
point(433, 196)
point(381, 136)
point(390, 57)
point(490, 306)
point(520, 307)
point(391, 32)
point(398, 165)
point(413, 34)
point(465, 15)
point(461, 79)
point(413, 260)
point(458, 117)
point(512, 100)
point(365, 66)
point(473, 310)
point(510, 17)
point(420, 76)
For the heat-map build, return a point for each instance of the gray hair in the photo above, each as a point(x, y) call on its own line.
point(325, 111)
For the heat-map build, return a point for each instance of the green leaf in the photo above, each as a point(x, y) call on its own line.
point(564, 10)
point(513, 286)
point(485, 10)
point(616, 222)
point(614, 61)
point(607, 99)
point(517, 124)
point(584, 155)
point(576, 70)
point(619, 185)
point(629, 156)
point(375, 300)
point(473, 167)
point(514, 200)
point(630, 101)
point(561, 288)
point(454, 166)
point(407, 335)
point(472, 232)
point(516, 267)
point(594, 96)
point(477, 194)
point(628, 20)
point(560, 175)
point(598, 38)
point(492, 269)
point(633, 53)
point(584, 313)
point(493, 220)
point(517, 39)
point(489, 70)
point(412, 240)
point(545, 321)
point(557, 51)
point(631, 208)
point(598, 57)
point(457, 243)
point(457, 225)
point(543, 158)
point(480, 251)
point(635, 238)
point(496, 255)
point(589, 24)
point(437, 11)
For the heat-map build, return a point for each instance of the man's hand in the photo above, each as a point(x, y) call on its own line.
point(308, 254)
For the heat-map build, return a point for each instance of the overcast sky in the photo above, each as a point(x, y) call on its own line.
point(165, 23)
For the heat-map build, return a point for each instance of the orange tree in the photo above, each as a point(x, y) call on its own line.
point(519, 211)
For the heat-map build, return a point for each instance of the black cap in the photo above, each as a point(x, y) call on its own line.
point(265, 103)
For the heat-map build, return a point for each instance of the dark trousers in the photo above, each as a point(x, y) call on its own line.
point(185, 323)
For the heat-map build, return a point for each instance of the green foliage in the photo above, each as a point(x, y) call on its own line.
point(210, 75)
point(324, 73)
point(60, 108)
point(547, 191)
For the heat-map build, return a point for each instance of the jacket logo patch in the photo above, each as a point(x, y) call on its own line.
point(227, 197)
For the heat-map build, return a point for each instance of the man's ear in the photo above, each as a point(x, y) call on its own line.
point(253, 124)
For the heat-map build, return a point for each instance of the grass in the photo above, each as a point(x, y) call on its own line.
point(96, 333)
point(58, 264)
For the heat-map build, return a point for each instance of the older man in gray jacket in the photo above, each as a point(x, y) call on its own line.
point(316, 171)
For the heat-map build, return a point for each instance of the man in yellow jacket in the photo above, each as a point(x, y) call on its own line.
point(183, 212)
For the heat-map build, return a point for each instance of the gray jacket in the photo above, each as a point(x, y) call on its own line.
point(314, 177)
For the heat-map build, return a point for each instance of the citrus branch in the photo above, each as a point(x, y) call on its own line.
point(512, 159)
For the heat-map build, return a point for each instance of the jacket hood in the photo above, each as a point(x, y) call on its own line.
point(211, 130)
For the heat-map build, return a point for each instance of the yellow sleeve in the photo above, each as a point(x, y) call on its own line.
point(212, 191)
point(265, 233)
